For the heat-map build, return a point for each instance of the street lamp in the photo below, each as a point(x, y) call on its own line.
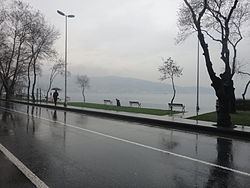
point(66, 22)
point(198, 79)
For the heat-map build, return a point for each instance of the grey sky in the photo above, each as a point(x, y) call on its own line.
point(125, 38)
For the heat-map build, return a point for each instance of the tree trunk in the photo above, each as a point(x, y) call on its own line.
point(223, 115)
point(34, 80)
point(1, 90)
point(83, 95)
point(223, 86)
point(172, 100)
point(222, 89)
point(29, 80)
point(28, 90)
point(33, 86)
point(232, 98)
point(33, 58)
point(9, 92)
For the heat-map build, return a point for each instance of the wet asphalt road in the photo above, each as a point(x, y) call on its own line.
point(10, 176)
point(76, 150)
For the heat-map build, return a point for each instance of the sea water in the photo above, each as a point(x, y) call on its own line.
point(151, 100)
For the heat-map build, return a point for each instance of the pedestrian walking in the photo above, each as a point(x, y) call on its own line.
point(55, 96)
point(118, 102)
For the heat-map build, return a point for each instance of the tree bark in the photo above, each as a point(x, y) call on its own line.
point(29, 81)
point(9, 92)
point(35, 75)
point(83, 95)
point(172, 100)
point(232, 99)
point(223, 86)
point(222, 89)
point(34, 84)
point(1, 90)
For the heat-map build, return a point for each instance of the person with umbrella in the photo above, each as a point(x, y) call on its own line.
point(55, 96)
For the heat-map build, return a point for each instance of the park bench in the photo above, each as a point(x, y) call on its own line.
point(134, 102)
point(107, 101)
point(178, 105)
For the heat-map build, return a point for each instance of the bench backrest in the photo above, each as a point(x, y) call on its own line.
point(175, 104)
point(135, 102)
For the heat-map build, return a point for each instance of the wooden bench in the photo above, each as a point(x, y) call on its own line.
point(178, 105)
point(106, 101)
point(134, 102)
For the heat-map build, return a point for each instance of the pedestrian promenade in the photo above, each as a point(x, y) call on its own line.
point(177, 121)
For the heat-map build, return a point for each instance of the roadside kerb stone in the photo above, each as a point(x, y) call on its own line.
point(238, 131)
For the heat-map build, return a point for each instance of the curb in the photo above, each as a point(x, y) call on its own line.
point(189, 125)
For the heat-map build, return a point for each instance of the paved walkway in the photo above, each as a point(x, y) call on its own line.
point(176, 121)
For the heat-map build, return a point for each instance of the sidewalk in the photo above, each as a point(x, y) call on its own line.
point(175, 121)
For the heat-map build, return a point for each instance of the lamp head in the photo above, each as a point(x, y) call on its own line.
point(60, 12)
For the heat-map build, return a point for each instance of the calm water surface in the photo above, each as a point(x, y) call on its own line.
point(207, 101)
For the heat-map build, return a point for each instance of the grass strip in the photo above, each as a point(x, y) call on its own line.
point(239, 118)
point(150, 111)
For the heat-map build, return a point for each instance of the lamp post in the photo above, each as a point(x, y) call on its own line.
point(198, 78)
point(66, 45)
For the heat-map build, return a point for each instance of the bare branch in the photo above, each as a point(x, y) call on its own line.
point(83, 82)
point(169, 70)
point(211, 36)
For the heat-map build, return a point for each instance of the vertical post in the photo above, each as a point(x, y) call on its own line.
point(198, 78)
point(40, 92)
point(65, 99)
point(37, 94)
point(66, 35)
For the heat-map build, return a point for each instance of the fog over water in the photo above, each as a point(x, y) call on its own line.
point(149, 94)
point(159, 101)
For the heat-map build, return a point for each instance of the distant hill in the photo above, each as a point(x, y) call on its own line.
point(109, 84)
point(132, 85)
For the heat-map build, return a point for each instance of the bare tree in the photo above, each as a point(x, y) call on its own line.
point(169, 70)
point(222, 22)
point(25, 40)
point(83, 82)
point(14, 32)
point(40, 42)
point(2, 45)
point(58, 68)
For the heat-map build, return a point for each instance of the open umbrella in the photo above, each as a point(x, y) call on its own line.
point(56, 88)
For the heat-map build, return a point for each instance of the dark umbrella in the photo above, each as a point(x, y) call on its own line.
point(56, 89)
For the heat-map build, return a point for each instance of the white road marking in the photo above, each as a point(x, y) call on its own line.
point(30, 175)
point(140, 145)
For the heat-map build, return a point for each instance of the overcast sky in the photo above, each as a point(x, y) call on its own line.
point(125, 38)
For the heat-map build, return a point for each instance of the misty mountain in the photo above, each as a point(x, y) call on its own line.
point(132, 85)
point(114, 84)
